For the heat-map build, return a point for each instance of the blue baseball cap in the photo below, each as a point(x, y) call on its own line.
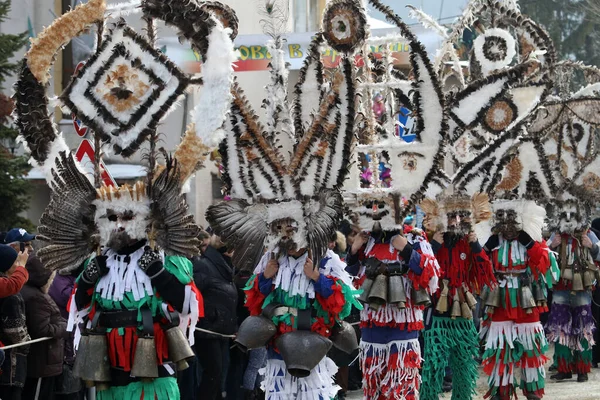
point(18, 235)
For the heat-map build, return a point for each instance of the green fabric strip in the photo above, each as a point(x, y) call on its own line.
point(181, 267)
point(159, 389)
point(451, 342)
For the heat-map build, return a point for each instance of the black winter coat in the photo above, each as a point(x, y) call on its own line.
point(43, 319)
point(213, 275)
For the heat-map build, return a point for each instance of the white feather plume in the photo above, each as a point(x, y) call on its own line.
point(215, 96)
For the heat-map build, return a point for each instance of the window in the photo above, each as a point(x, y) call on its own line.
point(307, 15)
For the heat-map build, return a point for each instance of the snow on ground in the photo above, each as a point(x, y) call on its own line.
point(565, 390)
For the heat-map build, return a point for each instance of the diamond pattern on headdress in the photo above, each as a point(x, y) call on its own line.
point(124, 90)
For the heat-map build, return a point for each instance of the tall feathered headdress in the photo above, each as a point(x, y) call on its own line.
point(511, 65)
point(498, 79)
point(391, 168)
point(568, 124)
point(124, 90)
point(292, 168)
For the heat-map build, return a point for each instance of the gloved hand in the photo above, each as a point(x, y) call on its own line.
point(150, 262)
point(492, 243)
point(525, 239)
point(95, 270)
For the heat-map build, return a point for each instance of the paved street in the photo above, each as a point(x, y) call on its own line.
point(566, 390)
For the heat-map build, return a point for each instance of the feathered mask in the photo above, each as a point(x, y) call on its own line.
point(124, 90)
point(284, 178)
point(475, 209)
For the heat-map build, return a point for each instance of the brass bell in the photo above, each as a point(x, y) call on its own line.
point(396, 292)
point(82, 351)
point(96, 366)
point(144, 361)
point(567, 274)
point(421, 298)
point(442, 304)
point(577, 285)
point(379, 290)
point(179, 348)
point(456, 312)
point(588, 279)
point(466, 311)
point(485, 292)
point(366, 288)
point(470, 299)
point(494, 298)
point(527, 300)
point(540, 297)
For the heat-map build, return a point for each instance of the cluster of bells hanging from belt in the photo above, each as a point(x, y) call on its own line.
point(528, 300)
point(463, 301)
point(301, 350)
point(386, 289)
point(93, 367)
point(580, 281)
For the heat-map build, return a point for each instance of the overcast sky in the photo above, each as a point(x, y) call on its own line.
point(446, 9)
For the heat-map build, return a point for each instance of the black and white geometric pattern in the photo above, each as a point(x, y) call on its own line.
point(125, 89)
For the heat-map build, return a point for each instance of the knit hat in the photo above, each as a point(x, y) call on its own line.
point(8, 255)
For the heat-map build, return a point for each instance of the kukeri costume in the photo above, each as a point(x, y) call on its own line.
point(396, 264)
point(465, 270)
point(498, 157)
point(135, 305)
point(567, 123)
point(284, 182)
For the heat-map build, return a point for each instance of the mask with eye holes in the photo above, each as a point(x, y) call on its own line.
point(283, 231)
point(122, 215)
point(459, 223)
point(506, 223)
point(570, 216)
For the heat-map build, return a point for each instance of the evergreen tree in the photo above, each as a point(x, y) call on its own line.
point(14, 189)
point(574, 25)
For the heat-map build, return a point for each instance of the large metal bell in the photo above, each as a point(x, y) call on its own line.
point(179, 348)
point(456, 311)
point(540, 297)
point(567, 274)
point(527, 299)
point(96, 366)
point(421, 297)
point(379, 290)
point(470, 299)
point(145, 364)
point(255, 332)
point(82, 351)
point(344, 338)
point(494, 298)
point(588, 279)
point(442, 303)
point(302, 351)
point(396, 292)
point(366, 288)
point(577, 285)
point(485, 292)
point(465, 311)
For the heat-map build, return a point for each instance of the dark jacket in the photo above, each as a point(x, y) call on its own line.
point(43, 319)
point(60, 291)
point(213, 275)
point(13, 330)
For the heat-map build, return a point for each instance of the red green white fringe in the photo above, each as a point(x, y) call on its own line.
point(391, 370)
point(511, 345)
point(280, 385)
